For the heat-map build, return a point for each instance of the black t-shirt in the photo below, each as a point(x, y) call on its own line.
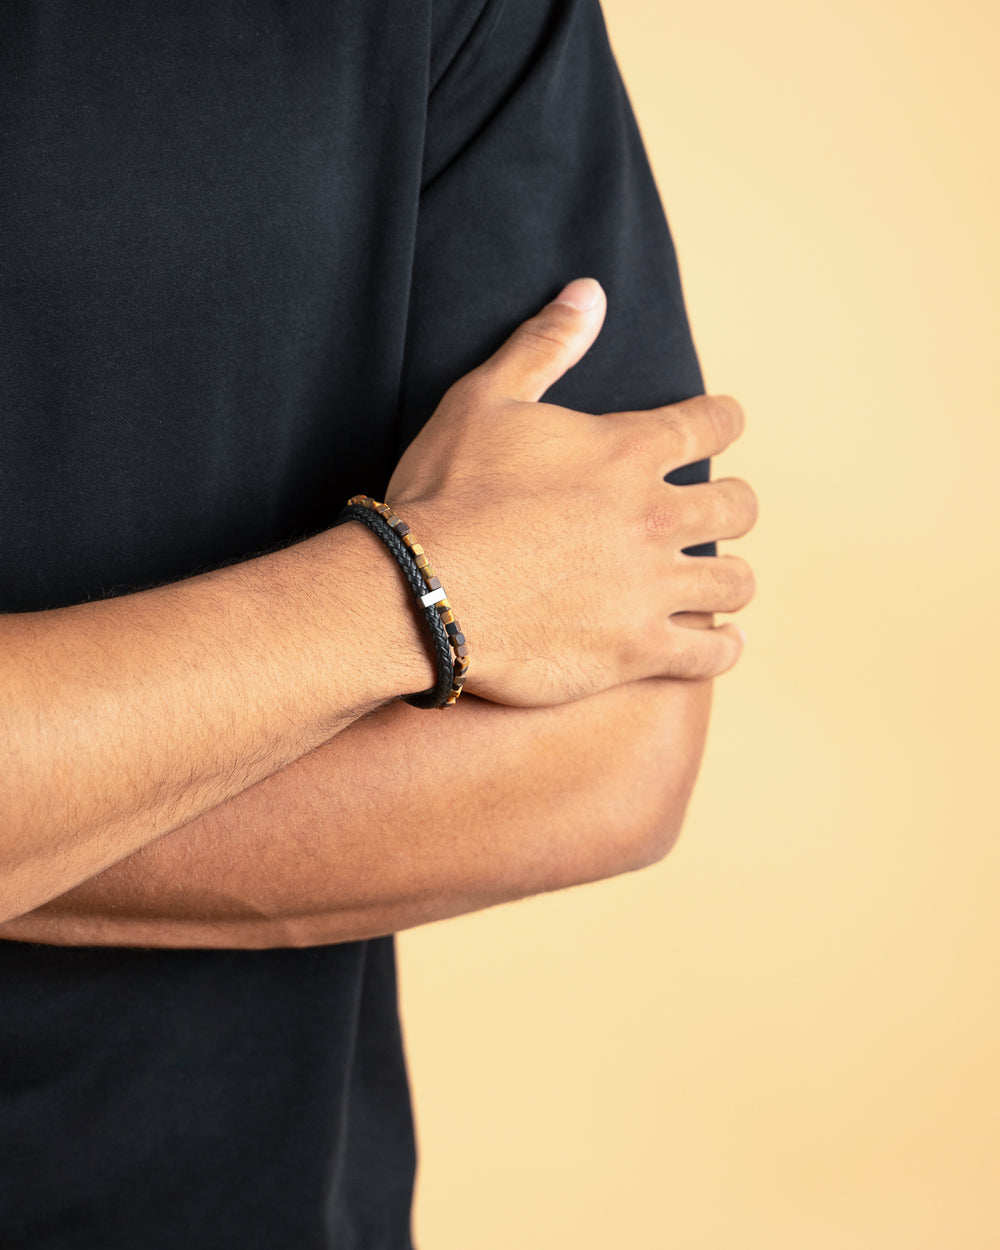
point(246, 246)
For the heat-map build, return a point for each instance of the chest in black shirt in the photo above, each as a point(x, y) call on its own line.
point(208, 218)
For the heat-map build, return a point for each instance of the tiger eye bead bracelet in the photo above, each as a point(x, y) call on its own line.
point(433, 598)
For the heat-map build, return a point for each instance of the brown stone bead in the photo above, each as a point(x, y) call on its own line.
point(416, 549)
point(434, 582)
point(422, 560)
point(402, 528)
point(447, 616)
point(462, 649)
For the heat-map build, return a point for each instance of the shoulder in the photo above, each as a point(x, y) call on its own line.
point(461, 30)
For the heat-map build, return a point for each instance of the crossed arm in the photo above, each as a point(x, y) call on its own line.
point(402, 817)
point(407, 817)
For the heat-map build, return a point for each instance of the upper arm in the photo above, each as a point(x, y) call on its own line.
point(534, 172)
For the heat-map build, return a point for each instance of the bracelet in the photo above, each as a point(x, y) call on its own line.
point(438, 694)
point(450, 648)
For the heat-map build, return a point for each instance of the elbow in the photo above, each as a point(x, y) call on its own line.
point(646, 816)
point(661, 774)
point(645, 835)
point(657, 837)
point(619, 833)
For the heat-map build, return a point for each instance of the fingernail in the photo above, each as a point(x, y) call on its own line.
point(581, 293)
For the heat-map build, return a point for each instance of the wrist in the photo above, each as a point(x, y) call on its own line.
point(393, 651)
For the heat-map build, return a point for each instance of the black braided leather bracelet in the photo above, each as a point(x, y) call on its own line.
point(446, 634)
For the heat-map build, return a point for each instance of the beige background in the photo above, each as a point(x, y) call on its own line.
point(787, 1035)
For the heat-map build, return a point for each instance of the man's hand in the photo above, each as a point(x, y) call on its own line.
point(555, 532)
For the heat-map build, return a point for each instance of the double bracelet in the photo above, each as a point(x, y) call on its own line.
point(450, 648)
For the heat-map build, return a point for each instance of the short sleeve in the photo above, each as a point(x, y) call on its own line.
point(534, 172)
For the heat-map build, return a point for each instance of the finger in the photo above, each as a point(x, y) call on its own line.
point(683, 433)
point(713, 583)
point(696, 654)
point(543, 348)
point(708, 511)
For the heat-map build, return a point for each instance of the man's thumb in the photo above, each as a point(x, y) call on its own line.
point(541, 349)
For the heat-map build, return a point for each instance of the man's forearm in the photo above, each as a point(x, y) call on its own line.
point(124, 719)
point(408, 817)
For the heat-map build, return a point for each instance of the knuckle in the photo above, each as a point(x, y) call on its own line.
point(543, 333)
point(744, 582)
point(709, 578)
point(692, 428)
point(717, 421)
point(675, 423)
point(728, 582)
point(660, 520)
